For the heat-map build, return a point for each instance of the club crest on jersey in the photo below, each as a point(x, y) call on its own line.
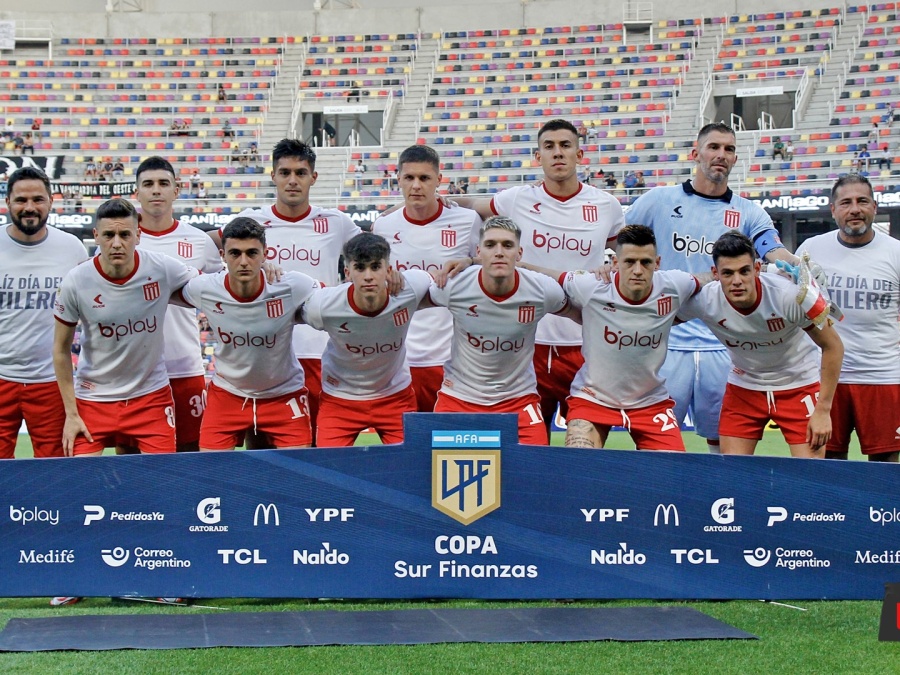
point(185, 249)
point(320, 225)
point(775, 325)
point(589, 213)
point(664, 305)
point(526, 313)
point(401, 316)
point(448, 238)
point(151, 291)
point(732, 219)
point(274, 308)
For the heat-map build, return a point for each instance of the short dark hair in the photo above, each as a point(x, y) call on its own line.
point(291, 147)
point(27, 173)
point(721, 127)
point(244, 228)
point(851, 179)
point(556, 125)
point(733, 245)
point(636, 235)
point(116, 208)
point(154, 164)
point(366, 248)
point(420, 153)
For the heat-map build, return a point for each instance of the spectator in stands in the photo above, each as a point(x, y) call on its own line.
point(395, 181)
point(176, 127)
point(185, 128)
point(195, 183)
point(873, 135)
point(227, 131)
point(36, 129)
point(611, 182)
point(28, 144)
point(203, 195)
point(640, 184)
point(118, 172)
point(354, 92)
point(330, 132)
point(90, 170)
point(253, 153)
point(9, 131)
point(789, 150)
point(885, 157)
point(221, 95)
point(18, 144)
point(386, 180)
point(582, 132)
point(592, 132)
point(236, 153)
point(463, 186)
point(862, 159)
point(358, 172)
point(778, 148)
point(630, 182)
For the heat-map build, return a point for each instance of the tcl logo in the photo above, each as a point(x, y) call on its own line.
point(694, 556)
point(242, 556)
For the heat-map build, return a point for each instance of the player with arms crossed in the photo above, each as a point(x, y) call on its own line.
point(424, 235)
point(121, 391)
point(258, 384)
point(157, 190)
point(34, 258)
point(863, 268)
point(625, 327)
point(303, 238)
point(365, 375)
point(687, 220)
point(495, 310)
point(775, 373)
point(566, 225)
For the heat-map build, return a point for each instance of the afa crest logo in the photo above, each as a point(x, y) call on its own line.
point(465, 484)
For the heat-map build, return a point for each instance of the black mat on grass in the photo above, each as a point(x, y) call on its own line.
point(394, 627)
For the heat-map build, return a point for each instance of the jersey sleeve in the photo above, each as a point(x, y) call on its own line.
point(618, 221)
point(178, 274)
point(473, 236)
point(793, 312)
point(639, 213)
point(693, 307)
point(441, 296)
point(212, 261)
point(687, 284)
point(66, 307)
point(503, 202)
point(350, 228)
point(190, 292)
point(311, 311)
point(419, 281)
point(302, 287)
point(579, 286)
point(555, 298)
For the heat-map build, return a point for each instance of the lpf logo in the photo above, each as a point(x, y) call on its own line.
point(465, 484)
point(185, 249)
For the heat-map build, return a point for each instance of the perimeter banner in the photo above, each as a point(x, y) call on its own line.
point(459, 510)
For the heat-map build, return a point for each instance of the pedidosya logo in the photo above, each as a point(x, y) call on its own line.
point(209, 512)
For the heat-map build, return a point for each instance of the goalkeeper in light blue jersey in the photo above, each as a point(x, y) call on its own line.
point(687, 220)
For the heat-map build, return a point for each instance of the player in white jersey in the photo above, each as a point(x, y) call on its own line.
point(625, 324)
point(863, 269)
point(566, 225)
point(121, 390)
point(303, 238)
point(33, 260)
point(424, 235)
point(495, 310)
point(687, 220)
point(775, 373)
point(258, 383)
point(157, 190)
point(365, 376)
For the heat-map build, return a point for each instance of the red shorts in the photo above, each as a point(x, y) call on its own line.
point(41, 406)
point(312, 368)
point(555, 368)
point(426, 382)
point(653, 427)
point(531, 425)
point(745, 412)
point(189, 394)
point(873, 410)
point(341, 419)
point(284, 419)
point(146, 422)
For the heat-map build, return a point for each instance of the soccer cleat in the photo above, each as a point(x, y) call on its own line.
point(62, 602)
point(170, 601)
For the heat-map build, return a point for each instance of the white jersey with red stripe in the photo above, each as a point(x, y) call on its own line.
point(493, 337)
point(767, 342)
point(562, 233)
point(427, 245)
point(366, 353)
point(194, 248)
point(30, 275)
point(122, 325)
point(254, 356)
point(864, 281)
point(310, 244)
point(625, 342)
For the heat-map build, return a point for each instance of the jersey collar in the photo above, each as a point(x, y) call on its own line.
point(262, 287)
point(689, 190)
point(291, 220)
point(151, 233)
point(123, 280)
point(427, 220)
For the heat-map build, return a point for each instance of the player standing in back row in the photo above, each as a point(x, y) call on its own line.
point(566, 225)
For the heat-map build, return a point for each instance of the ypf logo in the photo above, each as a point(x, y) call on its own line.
point(465, 485)
point(115, 557)
point(209, 511)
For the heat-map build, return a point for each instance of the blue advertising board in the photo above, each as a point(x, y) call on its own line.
point(459, 510)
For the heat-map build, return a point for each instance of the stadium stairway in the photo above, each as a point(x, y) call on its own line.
point(278, 119)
